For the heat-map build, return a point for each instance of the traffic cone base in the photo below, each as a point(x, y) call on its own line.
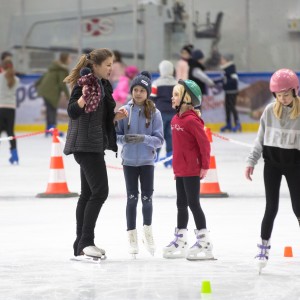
point(211, 190)
point(209, 187)
point(57, 186)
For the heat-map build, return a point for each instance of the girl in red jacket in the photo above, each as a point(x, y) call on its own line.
point(191, 156)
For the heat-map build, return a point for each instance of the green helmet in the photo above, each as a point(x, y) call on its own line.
point(193, 90)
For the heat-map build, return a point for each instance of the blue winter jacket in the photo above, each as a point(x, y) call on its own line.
point(140, 154)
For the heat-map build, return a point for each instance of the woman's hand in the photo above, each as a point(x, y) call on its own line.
point(249, 172)
point(121, 114)
point(203, 173)
point(81, 101)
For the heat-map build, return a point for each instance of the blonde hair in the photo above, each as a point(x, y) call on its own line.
point(295, 112)
point(8, 67)
point(96, 57)
point(179, 88)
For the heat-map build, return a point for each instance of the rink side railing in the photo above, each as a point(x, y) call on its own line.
point(30, 112)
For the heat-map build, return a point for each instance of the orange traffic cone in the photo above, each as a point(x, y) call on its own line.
point(57, 185)
point(209, 186)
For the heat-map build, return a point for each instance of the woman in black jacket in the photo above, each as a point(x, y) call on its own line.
point(90, 132)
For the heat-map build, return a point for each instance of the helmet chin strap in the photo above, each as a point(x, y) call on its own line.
point(182, 102)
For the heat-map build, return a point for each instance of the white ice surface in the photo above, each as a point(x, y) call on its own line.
point(36, 235)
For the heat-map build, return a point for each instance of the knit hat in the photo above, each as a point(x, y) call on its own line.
point(166, 68)
point(144, 80)
point(197, 54)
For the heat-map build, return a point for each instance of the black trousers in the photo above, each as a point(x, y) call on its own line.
point(188, 189)
point(51, 114)
point(230, 102)
point(272, 179)
point(132, 176)
point(94, 192)
point(7, 123)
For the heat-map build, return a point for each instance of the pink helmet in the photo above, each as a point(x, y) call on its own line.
point(283, 80)
point(131, 71)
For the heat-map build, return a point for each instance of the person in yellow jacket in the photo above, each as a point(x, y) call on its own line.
point(50, 86)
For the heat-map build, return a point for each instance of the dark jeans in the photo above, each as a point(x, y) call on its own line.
point(230, 102)
point(272, 179)
point(51, 115)
point(188, 189)
point(94, 192)
point(132, 176)
point(7, 123)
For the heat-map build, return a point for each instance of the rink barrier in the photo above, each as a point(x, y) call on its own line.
point(209, 186)
point(57, 185)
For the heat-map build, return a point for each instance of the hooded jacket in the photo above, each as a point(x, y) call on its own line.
point(191, 147)
point(144, 153)
point(230, 81)
point(51, 84)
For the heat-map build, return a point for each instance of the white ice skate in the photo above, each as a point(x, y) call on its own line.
point(263, 256)
point(178, 247)
point(91, 254)
point(148, 239)
point(133, 243)
point(202, 249)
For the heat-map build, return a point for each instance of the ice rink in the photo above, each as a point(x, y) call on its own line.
point(36, 235)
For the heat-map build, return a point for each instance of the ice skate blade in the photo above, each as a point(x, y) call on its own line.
point(260, 266)
point(174, 256)
point(201, 259)
point(89, 259)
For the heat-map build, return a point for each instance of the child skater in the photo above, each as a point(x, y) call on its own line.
point(91, 131)
point(277, 141)
point(191, 156)
point(141, 133)
point(8, 86)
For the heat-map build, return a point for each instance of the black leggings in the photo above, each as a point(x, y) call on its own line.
point(94, 192)
point(7, 123)
point(132, 176)
point(272, 178)
point(188, 189)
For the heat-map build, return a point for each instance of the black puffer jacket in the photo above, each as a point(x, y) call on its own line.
point(193, 64)
point(94, 131)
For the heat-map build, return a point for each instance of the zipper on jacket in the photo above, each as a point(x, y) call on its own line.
point(137, 145)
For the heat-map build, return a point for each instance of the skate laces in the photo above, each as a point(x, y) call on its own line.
point(263, 251)
point(199, 241)
point(132, 239)
point(174, 242)
point(149, 237)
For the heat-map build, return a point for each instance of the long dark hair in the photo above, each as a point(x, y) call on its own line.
point(8, 67)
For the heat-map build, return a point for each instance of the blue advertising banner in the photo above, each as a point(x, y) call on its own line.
point(252, 98)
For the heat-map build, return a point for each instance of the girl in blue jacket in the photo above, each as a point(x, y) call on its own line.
point(141, 133)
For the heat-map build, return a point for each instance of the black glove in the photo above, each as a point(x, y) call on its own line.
point(134, 138)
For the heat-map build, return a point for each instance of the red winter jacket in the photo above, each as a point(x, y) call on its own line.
point(191, 147)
